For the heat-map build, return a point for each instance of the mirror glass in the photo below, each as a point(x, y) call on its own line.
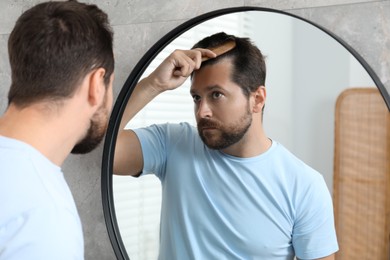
point(306, 71)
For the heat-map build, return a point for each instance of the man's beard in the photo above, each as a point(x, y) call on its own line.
point(223, 136)
point(95, 133)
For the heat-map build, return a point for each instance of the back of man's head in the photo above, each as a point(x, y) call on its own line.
point(53, 46)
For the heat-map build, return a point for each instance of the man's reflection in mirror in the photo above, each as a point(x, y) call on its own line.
point(228, 191)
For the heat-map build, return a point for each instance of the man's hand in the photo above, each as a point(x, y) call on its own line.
point(176, 68)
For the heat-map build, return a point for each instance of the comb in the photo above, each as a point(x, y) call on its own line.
point(222, 49)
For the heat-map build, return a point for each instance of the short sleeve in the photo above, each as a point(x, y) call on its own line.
point(158, 142)
point(153, 145)
point(314, 234)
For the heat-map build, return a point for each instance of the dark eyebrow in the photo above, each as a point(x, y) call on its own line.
point(208, 88)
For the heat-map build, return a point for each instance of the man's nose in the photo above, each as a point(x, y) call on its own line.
point(203, 109)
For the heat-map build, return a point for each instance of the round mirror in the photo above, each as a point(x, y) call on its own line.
point(307, 69)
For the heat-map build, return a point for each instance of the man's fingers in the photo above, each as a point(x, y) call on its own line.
point(184, 65)
point(186, 61)
point(207, 54)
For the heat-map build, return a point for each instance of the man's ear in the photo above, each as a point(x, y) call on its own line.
point(259, 99)
point(97, 88)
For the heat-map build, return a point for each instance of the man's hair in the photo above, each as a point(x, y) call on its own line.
point(249, 68)
point(53, 46)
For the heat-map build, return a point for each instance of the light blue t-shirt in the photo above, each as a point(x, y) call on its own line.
point(217, 206)
point(38, 216)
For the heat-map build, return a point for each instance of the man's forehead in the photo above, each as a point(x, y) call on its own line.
point(224, 65)
point(212, 76)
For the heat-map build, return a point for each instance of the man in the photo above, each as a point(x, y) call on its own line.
point(60, 99)
point(229, 192)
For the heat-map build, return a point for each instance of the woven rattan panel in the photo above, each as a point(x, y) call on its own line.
point(362, 175)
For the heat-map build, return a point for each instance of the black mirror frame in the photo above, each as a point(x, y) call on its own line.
point(131, 82)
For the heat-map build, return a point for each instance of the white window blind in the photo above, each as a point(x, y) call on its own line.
point(138, 200)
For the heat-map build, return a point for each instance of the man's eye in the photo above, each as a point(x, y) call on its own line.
point(196, 98)
point(217, 95)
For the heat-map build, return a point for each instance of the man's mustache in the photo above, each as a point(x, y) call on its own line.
point(207, 123)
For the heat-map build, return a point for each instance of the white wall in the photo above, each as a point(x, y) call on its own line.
point(275, 42)
point(306, 71)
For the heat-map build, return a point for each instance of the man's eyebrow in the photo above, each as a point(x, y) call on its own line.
point(208, 88)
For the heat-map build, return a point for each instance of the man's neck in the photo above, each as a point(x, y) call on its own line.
point(42, 130)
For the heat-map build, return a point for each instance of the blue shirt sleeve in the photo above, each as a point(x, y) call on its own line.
point(314, 234)
point(153, 143)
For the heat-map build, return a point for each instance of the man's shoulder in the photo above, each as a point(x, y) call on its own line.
point(294, 165)
point(174, 130)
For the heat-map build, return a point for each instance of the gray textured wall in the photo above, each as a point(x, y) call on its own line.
point(138, 24)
